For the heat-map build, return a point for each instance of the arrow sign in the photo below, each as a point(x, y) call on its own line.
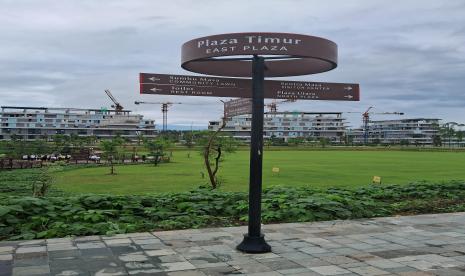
point(242, 88)
point(153, 79)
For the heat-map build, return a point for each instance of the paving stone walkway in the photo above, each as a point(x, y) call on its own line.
point(409, 246)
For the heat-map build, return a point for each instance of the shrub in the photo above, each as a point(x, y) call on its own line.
point(23, 217)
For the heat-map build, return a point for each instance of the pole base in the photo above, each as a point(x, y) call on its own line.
point(254, 245)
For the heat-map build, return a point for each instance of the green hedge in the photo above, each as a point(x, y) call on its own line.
point(29, 218)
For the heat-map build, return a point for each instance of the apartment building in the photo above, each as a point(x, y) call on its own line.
point(288, 125)
point(31, 123)
point(416, 131)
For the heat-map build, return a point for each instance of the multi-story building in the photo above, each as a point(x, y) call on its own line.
point(31, 123)
point(415, 131)
point(288, 125)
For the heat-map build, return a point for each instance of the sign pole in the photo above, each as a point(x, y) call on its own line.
point(254, 241)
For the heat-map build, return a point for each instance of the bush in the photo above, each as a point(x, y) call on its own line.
point(28, 217)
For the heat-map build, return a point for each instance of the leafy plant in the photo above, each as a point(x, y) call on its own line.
point(26, 217)
point(213, 149)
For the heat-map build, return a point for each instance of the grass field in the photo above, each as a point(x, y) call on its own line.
point(297, 168)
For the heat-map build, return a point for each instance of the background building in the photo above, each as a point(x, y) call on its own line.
point(287, 125)
point(416, 131)
point(31, 123)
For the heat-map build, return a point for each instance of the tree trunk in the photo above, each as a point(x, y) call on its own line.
point(217, 160)
point(112, 167)
point(206, 155)
point(211, 176)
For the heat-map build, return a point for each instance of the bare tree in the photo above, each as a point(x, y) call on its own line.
point(213, 152)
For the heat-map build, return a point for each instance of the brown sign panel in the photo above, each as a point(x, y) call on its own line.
point(199, 81)
point(190, 90)
point(292, 54)
point(300, 90)
point(242, 88)
point(237, 107)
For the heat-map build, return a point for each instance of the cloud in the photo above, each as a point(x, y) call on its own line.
point(407, 57)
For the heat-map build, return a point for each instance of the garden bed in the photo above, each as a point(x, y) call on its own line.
point(23, 217)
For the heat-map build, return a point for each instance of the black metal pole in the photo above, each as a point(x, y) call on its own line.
point(254, 241)
point(164, 111)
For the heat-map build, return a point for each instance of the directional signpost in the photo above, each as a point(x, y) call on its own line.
point(256, 55)
point(181, 85)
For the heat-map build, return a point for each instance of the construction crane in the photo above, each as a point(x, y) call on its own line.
point(164, 110)
point(117, 106)
point(366, 119)
point(273, 106)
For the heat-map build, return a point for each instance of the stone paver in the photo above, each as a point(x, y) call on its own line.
point(329, 270)
point(410, 246)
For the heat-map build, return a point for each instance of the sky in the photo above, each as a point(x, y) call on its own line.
point(408, 56)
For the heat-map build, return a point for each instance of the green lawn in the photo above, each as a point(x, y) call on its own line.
point(297, 168)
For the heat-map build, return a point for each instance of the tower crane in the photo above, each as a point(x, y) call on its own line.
point(366, 119)
point(117, 106)
point(164, 110)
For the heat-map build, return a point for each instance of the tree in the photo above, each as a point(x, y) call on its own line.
point(140, 138)
point(213, 149)
point(171, 135)
point(437, 141)
point(189, 138)
point(17, 148)
point(275, 141)
point(39, 147)
point(7, 149)
point(324, 142)
point(447, 131)
point(349, 140)
point(15, 137)
point(75, 140)
point(156, 148)
point(43, 181)
point(404, 142)
point(295, 141)
point(267, 143)
point(89, 141)
point(450, 132)
point(459, 135)
point(44, 137)
point(62, 143)
point(110, 150)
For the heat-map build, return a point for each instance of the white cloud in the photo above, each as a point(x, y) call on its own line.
point(407, 56)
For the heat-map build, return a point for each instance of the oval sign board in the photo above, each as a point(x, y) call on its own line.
point(286, 54)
